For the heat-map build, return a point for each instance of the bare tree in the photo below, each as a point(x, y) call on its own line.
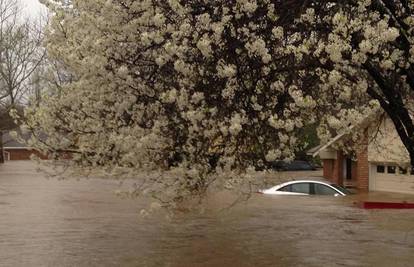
point(20, 55)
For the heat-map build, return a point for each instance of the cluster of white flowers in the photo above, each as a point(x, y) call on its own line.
point(258, 47)
point(236, 125)
point(308, 16)
point(278, 32)
point(204, 45)
point(273, 155)
point(248, 6)
point(226, 71)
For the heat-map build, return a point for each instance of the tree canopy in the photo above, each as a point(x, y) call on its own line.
point(209, 87)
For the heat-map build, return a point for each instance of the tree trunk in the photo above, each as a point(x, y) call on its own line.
point(391, 100)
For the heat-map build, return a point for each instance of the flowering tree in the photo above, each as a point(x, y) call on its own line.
point(367, 46)
point(206, 87)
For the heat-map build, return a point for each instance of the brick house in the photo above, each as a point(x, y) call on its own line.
point(379, 163)
point(14, 150)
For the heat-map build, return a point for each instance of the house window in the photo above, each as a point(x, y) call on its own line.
point(391, 169)
point(402, 170)
point(380, 168)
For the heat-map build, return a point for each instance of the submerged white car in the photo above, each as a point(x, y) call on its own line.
point(306, 187)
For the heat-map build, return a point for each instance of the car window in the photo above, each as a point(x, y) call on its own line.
point(321, 189)
point(287, 188)
point(301, 188)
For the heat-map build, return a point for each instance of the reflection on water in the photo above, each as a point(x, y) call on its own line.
point(81, 223)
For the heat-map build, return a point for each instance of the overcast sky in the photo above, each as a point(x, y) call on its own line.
point(32, 7)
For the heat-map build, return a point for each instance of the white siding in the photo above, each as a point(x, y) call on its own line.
point(385, 144)
point(391, 182)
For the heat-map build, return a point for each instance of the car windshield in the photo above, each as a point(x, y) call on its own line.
point(342, 189)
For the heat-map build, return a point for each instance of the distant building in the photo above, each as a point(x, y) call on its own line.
point(14, 150)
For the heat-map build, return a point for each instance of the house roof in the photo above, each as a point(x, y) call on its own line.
point(312, 150)
point(9, 141)
point(363, 123)
point(316, 150)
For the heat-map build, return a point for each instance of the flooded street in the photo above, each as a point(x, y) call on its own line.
point(82, 223)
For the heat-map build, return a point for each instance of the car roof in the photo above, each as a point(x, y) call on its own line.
point(303, 181)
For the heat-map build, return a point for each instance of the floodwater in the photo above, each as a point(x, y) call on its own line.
point(82, 223)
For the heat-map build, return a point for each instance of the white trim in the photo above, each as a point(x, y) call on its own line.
point(12, 148)
point(371, 178)
point(6, 155)
point(328, 154)
point(336, 138)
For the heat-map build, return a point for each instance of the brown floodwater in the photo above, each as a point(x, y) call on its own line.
point(82, 223)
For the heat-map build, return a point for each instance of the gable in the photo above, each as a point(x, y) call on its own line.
point(385, 145)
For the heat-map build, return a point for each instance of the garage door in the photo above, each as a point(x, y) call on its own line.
point(391, 179)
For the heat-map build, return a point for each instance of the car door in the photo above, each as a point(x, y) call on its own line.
point(301, 188)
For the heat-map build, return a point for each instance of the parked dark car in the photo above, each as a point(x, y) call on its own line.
point(296, 165)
